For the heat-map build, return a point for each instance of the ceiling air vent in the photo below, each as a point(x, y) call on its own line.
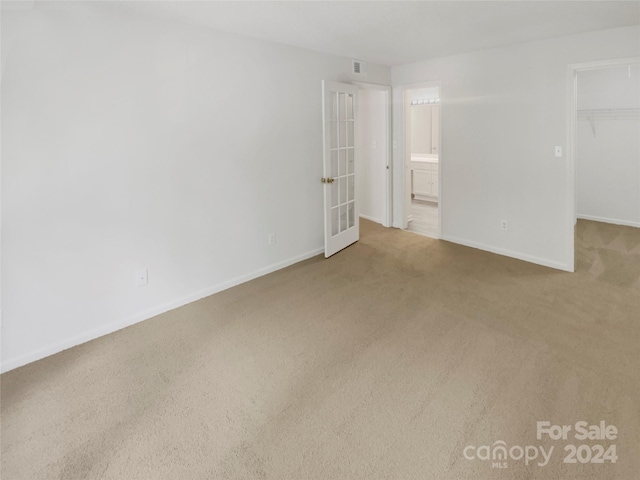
point(359, 67)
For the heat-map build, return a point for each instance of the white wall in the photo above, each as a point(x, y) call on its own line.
point(371, 168)
point(608, 161)
point(130, 142)
point(502, 112)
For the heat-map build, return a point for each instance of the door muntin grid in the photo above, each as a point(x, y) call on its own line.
point(342, 145)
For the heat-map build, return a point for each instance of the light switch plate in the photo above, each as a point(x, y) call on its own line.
point(558, 151)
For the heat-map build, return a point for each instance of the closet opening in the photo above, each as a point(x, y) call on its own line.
point(604, 149)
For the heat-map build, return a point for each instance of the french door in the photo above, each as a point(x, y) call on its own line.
point(341, 226)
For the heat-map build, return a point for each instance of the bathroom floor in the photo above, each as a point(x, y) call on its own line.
point(424, 218)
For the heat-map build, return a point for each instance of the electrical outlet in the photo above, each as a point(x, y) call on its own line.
point(272, 239)
point(504, 225)
point(141, 277)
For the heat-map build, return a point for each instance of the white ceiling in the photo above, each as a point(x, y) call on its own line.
point(396, 32)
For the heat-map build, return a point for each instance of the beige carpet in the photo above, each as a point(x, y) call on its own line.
point(383, 362)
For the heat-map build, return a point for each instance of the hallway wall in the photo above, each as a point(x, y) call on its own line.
point(372, 174)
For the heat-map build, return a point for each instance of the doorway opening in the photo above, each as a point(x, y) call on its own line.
point(604, 149)
point(422, 160)
point(373, 155)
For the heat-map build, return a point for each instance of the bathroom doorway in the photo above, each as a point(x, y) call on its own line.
point(422, 160)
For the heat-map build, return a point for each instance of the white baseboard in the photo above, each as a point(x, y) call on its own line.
point(111, 327)
point(615, 221)
point(372, 219)
point(510, 253)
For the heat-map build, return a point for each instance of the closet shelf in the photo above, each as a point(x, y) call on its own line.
point(609, 113)
point(591, 115)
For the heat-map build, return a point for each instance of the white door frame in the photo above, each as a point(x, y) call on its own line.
point(387, 221)
point(572, 119)
point(404, 153)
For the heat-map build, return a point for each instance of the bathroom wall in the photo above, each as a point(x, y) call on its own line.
point(420, 129)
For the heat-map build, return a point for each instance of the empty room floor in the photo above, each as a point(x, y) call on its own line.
point(424, 218)
point(385, 361)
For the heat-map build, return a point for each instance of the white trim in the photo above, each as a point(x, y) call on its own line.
point(615, 221)
point(570, 167)
point(406, 158)
point(511, 253)
point(572, 113)
point(111, 327)
point(371, 219)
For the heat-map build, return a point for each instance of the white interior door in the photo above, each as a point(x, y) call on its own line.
point(341, 226)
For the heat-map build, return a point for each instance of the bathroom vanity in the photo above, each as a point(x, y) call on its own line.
point(424, 177)
point(424, 162)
